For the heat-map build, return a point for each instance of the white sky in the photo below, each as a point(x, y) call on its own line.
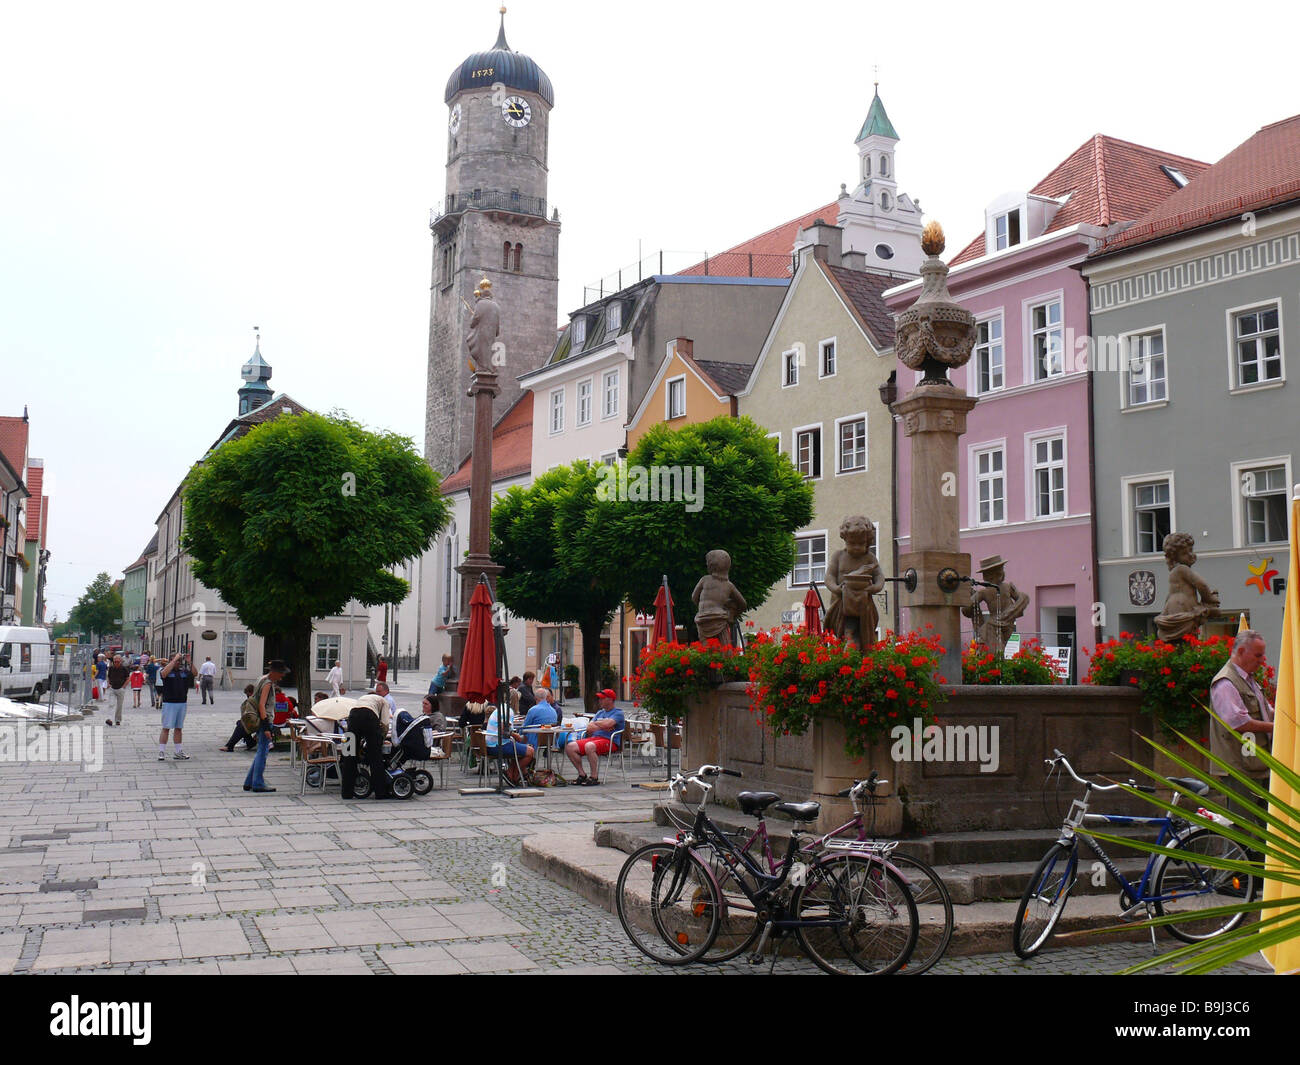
point(173, 174)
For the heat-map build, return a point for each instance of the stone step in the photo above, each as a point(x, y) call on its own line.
point(591, 870)
point(971, 883)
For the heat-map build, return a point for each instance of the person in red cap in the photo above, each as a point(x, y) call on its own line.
point(603, 736)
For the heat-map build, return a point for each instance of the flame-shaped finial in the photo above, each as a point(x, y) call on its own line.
point(932, 239)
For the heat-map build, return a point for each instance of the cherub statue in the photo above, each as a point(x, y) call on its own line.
point(718, 601)
point(853, 578)
point(1005, 604)
point(484, 326)
point(1190, 599)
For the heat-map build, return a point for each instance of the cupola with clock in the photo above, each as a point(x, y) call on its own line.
point(877, 219)
point(494, 214)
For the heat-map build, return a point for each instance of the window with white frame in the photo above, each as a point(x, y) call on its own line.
point(990, 369)
point(675, 398)
point(579, 333)
point(851, 444)
point(557, 411)
point(1257, 347)
point(1145, 369)
point(990, 486)
point(613, 317)
point(1006, 230)
point(808, 451)
point(1049, 476)
point(1263, 490)
point(790, 368)
point(610, 458)
point(1046, 340)
point(1152, 516)
point(827, 359)
point(584, 402)
point(809, 560)
point(328, 646)
point(609, 390)
point(234, 650)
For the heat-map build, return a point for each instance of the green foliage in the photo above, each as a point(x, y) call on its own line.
point(305, 513)
point(752, 499)
point(98, 608)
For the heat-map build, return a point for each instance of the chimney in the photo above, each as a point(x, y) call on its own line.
point(826, 240)
point(854, 260)
point(684, 346)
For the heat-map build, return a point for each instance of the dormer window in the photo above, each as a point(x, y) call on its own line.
point(579, 332)
point(613, 317)
point(884, 166)
point(1006, 230)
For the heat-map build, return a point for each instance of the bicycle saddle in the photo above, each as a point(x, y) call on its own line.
point(1196, 787)
point(755, 802)
point(801, 811)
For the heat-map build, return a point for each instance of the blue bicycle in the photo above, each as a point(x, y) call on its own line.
point(1177, 885)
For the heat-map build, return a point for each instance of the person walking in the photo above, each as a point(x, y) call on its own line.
point(177, 680)
point(137, 682)
point(335, 679)
point(264, 699)
point(101, 677)
point(207, 672)
point(151, 668)
point(118, 675)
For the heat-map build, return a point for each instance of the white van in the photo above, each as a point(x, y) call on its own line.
point(24, 661)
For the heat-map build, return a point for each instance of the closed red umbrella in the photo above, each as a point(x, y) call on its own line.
point(478, 668)
point(665, 627)
point(812, 610)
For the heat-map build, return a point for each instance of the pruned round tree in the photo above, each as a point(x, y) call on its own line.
point(303, 514)
point(684, 492)
point(543, 537)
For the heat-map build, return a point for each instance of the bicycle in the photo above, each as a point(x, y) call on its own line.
point(929, 893)
point(1176, 884)
point(849, 912)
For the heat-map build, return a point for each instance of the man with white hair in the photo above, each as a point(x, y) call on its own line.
point(1246, 717)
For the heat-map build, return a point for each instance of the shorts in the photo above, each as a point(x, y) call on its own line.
point(601, 743)
point(173, 715)
point(518, 750)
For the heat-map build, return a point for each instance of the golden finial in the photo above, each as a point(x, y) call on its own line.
point(932, 240)
point(503, 9)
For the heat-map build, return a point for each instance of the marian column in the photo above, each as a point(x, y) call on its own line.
point(936, 333)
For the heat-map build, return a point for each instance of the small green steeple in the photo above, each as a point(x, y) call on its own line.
point(877, 123)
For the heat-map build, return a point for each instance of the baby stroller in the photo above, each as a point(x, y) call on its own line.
point(405, 780)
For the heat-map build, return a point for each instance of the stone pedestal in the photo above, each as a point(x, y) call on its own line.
point(834, 770)
point(934, 416)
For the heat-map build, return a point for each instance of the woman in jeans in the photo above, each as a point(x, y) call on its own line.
point(264, 699)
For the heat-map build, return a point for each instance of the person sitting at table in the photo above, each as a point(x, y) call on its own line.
point(473, 714)
point(513, 746)
point(598, 739)
point(542, 712)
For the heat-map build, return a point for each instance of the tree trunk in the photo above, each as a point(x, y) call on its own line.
point(591, 662)
point(302, 664)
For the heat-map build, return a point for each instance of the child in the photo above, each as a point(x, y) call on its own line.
point(853, 578)
point(137, 683)
point(1190, 599)
point(718, 601)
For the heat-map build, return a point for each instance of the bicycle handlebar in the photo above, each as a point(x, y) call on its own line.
point(1060, 759)
point(860, 786)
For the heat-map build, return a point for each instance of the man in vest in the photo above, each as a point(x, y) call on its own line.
point(1238, 700)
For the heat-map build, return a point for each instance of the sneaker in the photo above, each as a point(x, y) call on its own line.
point(180, 757)
point(162, 756)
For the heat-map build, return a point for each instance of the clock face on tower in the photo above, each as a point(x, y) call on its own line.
point(454, 123)
point(516, 112)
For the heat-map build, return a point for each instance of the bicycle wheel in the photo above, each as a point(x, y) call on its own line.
point(933, 912)
point(738, 924)
point(858, 916)
point(667, 903)
point(1044, 900)
point(1197, 886)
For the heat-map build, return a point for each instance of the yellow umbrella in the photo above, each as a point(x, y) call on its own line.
point(1241, 625)
point(1285, 957)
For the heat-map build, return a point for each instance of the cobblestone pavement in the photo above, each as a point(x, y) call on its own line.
point(162, 867)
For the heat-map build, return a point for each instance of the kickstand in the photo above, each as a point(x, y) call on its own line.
point(1151, 913)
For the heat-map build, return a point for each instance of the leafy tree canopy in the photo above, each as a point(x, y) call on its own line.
point(98, 609)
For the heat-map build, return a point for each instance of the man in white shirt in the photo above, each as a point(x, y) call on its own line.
point(335, 679)
point(206, 673)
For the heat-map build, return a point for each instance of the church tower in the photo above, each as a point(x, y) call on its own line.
point(495, 223)
point(877, 219)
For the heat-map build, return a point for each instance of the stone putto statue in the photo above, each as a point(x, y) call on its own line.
point(1005, 604)
point(484, 327)
point(1190, 599)
point(853, 577)
point(718, 601)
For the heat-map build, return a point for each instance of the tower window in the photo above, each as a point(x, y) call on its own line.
point(519, 257)
point(514, 195)
point(885, 202)
point(505, 256)
point(478, 195)
point(884, 166)
point(884, 251)
point(866, 167)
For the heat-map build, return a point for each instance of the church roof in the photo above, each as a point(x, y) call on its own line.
point(512, 69)
point(877, 123)
point(512, 448)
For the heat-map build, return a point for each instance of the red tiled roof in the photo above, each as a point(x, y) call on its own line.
point(1261, 172)
point(771, 251)
point(512, 447)
point(863, 291)
point(13, 443)
point(1109, 181)
point(35, 481)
